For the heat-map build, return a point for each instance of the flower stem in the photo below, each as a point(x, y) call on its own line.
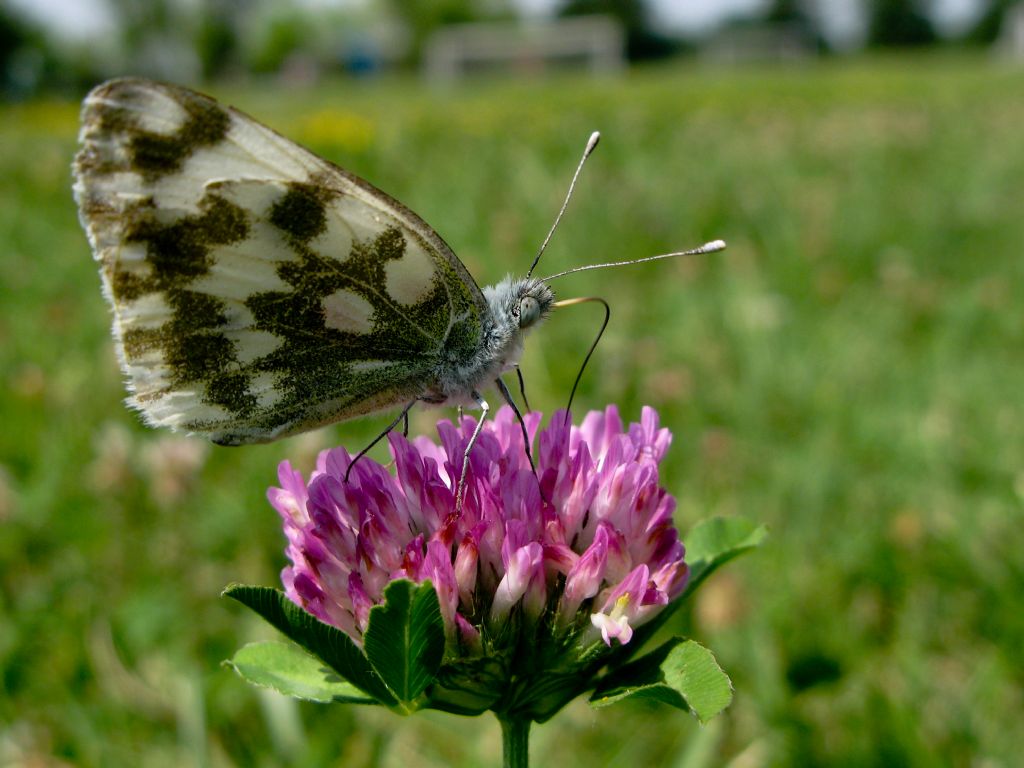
point(515, 740)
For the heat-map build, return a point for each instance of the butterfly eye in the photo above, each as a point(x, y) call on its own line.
point(529, 311)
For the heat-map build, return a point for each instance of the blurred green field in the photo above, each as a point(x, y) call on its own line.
point(848, 372)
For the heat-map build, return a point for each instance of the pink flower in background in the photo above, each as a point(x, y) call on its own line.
point(588, 544)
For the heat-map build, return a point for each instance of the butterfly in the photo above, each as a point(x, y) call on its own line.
point(259, 290)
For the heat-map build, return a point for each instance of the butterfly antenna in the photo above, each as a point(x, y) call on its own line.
point(712, 247)
point(590, 352)
point(591, 144)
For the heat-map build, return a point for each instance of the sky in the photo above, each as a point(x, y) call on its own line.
point(75, 19)
point(78, 19)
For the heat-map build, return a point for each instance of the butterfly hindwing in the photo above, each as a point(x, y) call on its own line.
point(257, 289)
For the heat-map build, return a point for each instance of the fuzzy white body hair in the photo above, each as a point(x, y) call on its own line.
point(502, 336)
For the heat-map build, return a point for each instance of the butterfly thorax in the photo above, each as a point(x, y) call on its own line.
point(515, 306)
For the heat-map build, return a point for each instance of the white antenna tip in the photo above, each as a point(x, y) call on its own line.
point(714, 245)
point(592, 142)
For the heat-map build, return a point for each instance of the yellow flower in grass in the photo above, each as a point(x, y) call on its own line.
point(345, 131)
point(50, 118)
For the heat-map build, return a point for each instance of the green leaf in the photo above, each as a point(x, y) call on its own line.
point(329, 644)
point(405, 639)
point(288, 669)
point(468, 685)
point(713, 542)
point(681, 673)
point(692, 671)
point(710, 544)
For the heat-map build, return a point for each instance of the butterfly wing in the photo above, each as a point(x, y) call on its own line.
point(257, 289)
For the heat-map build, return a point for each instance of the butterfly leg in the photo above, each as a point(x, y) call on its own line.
point(522, 389)
point(519, 417)
point(461, 491)
point(405, 423)
point(403, 415)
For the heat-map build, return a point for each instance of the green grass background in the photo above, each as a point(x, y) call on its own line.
point(848, 372)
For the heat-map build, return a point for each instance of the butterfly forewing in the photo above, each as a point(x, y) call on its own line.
point(257, 289)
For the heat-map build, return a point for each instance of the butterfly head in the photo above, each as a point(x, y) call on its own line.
point(520, 304)
point(516, 306)
point(535, 302)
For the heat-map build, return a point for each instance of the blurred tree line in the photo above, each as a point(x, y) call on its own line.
point(28, 59)
point(204, 39)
